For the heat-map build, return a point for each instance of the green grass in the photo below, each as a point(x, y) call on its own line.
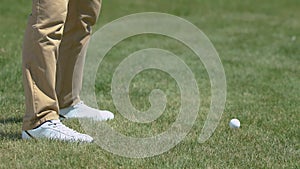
point(261, 60)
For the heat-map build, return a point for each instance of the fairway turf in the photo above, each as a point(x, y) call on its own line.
point(259, 46)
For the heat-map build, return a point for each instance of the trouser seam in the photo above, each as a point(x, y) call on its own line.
point(34, 97)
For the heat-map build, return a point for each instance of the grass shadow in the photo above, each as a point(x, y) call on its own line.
point(10, 136)
point(11, 120)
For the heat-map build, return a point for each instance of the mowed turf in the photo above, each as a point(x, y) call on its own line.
point(258, 43)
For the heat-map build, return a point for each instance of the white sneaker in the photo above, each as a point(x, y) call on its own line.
point(55, 130)
point(81, 110)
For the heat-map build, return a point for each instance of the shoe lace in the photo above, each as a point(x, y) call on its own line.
point(80, 103)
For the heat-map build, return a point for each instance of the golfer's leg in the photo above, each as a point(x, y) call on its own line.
point(40, 51)
point(82, 14)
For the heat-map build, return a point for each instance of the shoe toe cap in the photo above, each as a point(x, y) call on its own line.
point(107, 115)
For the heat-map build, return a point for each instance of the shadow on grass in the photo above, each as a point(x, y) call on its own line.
point(10, 136)
point(14, 135)
point(11, 120)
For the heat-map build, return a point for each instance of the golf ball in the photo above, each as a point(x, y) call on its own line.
point(234, 123)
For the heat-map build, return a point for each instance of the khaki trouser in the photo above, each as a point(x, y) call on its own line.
point(55, 41)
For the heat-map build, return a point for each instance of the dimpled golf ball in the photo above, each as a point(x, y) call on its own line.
point(234, 123)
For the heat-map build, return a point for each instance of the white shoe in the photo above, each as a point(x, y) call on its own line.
point(81, 110)
point(55, 130)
